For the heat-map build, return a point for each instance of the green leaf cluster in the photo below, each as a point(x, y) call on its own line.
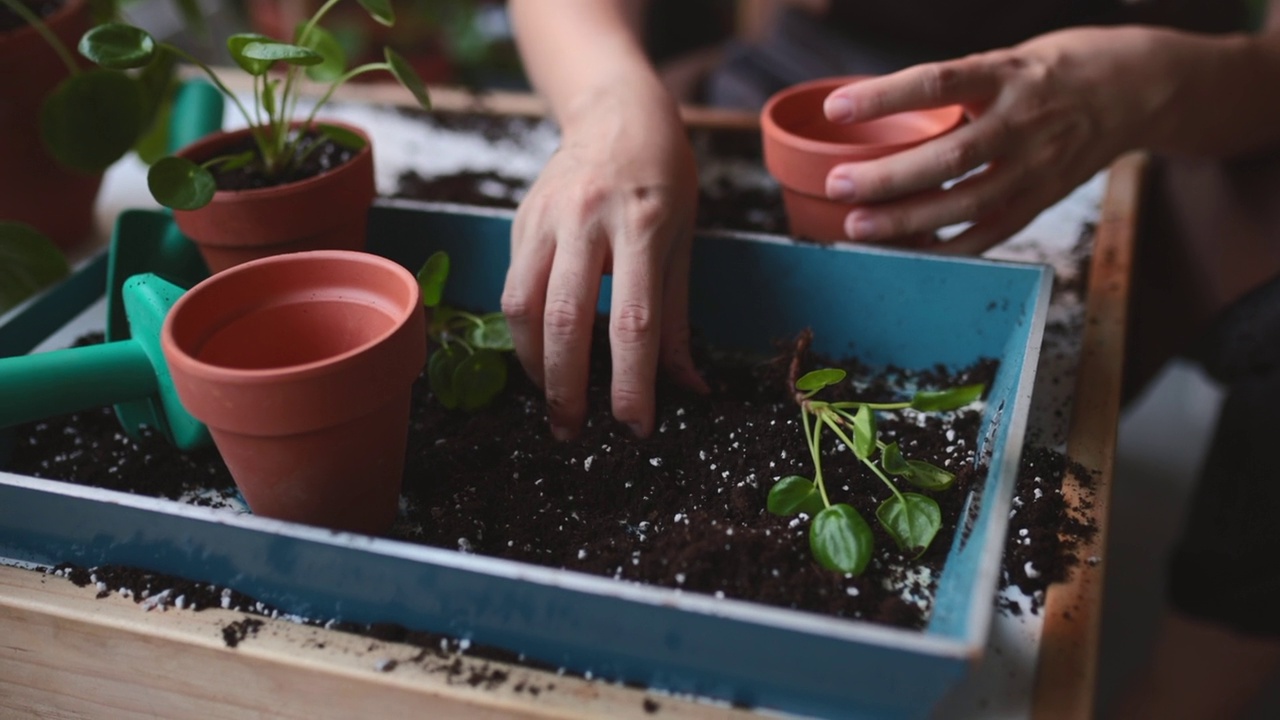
point(281, 144)
point(467, 370)
point(95, 116)
point(839, 537)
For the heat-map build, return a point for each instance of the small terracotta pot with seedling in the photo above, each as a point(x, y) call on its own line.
point(302, 366)
point(280, 184)
point(801, 147)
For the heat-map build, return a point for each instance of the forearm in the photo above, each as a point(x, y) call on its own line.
point(1222, 95)
point(582, 49)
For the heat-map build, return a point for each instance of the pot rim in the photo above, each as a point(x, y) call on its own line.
point(194, 153)
point(393, 272)
point(950, 115)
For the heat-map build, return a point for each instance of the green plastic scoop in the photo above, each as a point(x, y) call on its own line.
point(131, 374)
point(148, 241)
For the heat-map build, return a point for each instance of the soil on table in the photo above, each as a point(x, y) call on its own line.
point(319, 154)
point(684, 508)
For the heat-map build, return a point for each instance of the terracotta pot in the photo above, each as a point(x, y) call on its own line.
point(34, 188)
point(325, 212)
point(302, 366)
point(801, 146)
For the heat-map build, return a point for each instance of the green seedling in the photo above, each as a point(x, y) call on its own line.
point(839, 537)
point(280, 145)
point(467, 369)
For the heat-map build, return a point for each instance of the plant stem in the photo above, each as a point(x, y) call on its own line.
point(866, 461)
point(812, 437)
point(39, 26)
point(845, 404)
point(225, 90)
point(368, 67)
point(315, 20)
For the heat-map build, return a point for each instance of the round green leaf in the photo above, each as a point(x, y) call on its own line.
point(380, 10)
point(479, 378)
point(180, 184)
point(236, 45)
point(928, 477)
point(92, 119)
point(864, 433)
point(118, 46)
point(344, 137)
point(328, 47)
point(841, 540)
point(911, 521)
point(794, 494)
point(431, 278)
point(271, 51)
point(440, 369)
point(29, 262)
point(408, 77)
point(951, 399)
point(892, 461)
point(818, 379)
point(492, 334)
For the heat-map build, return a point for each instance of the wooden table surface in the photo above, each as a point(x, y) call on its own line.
point(66, 654)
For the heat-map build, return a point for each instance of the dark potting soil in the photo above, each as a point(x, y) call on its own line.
point(683, 509)
point(319, 155)
point(9, 20)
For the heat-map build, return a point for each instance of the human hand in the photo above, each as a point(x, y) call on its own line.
point(1044, 117)
point(620, 196)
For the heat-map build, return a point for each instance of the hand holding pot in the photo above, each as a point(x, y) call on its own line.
point(1045, 116)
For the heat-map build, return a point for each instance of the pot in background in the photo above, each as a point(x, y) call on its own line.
point(35, 188)
point(324, 212)
point(302, 367)
point(801, 146)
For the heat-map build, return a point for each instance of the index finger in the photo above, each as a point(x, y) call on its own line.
point(920, 87)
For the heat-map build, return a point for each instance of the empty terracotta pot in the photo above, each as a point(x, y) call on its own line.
point(325, 212)
point(801, 146)
point(302, 365)
point(35, 188)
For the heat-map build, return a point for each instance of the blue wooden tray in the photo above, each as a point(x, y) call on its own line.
point(907, 310)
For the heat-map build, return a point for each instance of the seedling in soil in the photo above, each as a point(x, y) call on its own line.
point(467, 369)
point(839, 537)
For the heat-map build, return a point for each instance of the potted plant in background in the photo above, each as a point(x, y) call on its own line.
point(801, 146)
point(63, 122)
point(280, 184)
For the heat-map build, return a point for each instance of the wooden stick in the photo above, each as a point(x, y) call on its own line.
point(1066, 675)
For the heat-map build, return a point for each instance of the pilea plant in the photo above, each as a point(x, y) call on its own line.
point(467, 369)
point(280, 145)
point(96, 115)
point(839, 537)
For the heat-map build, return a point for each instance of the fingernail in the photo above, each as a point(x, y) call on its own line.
point(636, 429)
point(838, 109)
point(839, 187)
point(860, 227)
